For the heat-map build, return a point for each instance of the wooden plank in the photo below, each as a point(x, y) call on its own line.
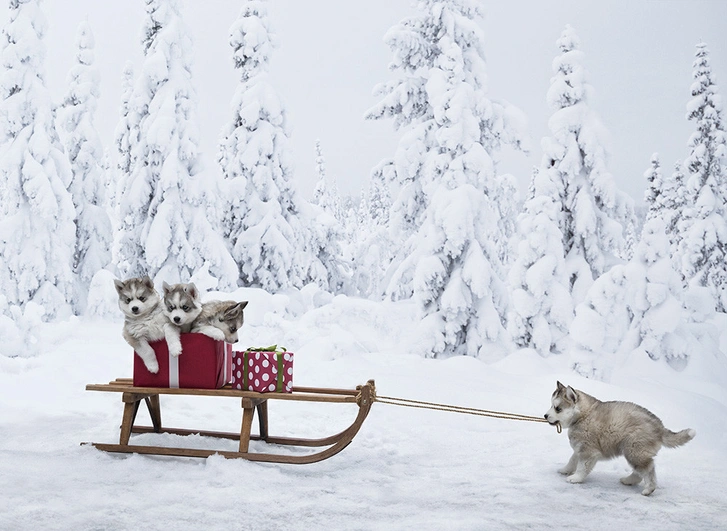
point(148, 391)
point(284, 441)
point(296, 389)
point(194, 452)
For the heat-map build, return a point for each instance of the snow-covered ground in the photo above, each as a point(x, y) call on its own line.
point(406, 469)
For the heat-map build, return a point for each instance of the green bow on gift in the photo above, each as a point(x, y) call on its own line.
point(271, 348)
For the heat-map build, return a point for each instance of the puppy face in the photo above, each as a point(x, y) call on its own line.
point(564, 406)
point(137, 296)
point(230, 320)
point(182, 303)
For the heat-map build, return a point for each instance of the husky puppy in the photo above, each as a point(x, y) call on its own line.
point(182, 305)
point(220, 320)
point(144, 320)
point(603, 430)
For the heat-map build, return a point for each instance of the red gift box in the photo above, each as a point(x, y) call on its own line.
point(262, 371)
point(203, 364)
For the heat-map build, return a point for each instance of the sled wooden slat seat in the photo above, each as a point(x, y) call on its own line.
point(363, 397)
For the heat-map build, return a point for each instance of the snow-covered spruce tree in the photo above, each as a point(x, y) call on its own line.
point(75, 119)
point(654, 189)
point(263, 218)
point(674, 198)
point(373, 249)
point(167, 209)
point(703, 228)
point(325, 193)
point(445, 215)
point(326, 230)
point(37, 230)
point(123, 135)
point(541, 310)
point(595, 215)
point(635, 307)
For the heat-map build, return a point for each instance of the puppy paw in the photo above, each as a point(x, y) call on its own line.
point(575, 478)
point(216, 334)
point(633, 479)
point(648, 490)
point(152, 366)
point(565, 471)
point(175, 350)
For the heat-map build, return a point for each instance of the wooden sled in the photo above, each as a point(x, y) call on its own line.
point(363, 396)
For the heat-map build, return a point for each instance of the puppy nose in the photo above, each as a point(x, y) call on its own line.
point(236, 340)
point(135, 309)
point(546, 416)
point(177, 319)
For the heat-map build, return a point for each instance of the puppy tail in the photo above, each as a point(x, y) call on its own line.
point(672, 440)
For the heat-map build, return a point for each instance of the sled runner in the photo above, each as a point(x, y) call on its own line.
point(363, 396)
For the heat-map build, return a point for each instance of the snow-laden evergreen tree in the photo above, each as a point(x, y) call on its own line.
point(326, 231)
point(372, 247)
point(446, 215)
point(263, 218)
point(37, 230)
point(75, 119)
point(703, 228)
point(325, 193)
point(541, 304)
point(674, 199)
point(595, 214)
point(636, 307)
point(653, 196)
point(169, 226)
point(123, 135)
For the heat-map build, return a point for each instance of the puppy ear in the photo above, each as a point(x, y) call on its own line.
point(192, 290)
point(560, 386)
point(571, 394)
point(119, 286)
point(233, 311)
point(167, 288)
point(243, 304)
point(146, 280)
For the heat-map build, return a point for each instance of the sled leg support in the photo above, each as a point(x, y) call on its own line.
point(363, 397)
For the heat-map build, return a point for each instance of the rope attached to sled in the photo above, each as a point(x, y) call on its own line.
point(394, 401)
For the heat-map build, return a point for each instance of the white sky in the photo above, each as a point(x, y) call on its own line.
point(639, 54)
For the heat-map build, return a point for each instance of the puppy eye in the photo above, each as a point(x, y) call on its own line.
point(558, 409)
point(233, 329)
point(142, 299)
point(221, 319)
point(170, 308)
point(128, 300)
point(185, 308)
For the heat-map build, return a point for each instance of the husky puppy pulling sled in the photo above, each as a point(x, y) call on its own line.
point(604, 430)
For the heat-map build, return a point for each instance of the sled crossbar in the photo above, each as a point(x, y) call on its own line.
point(363, 397)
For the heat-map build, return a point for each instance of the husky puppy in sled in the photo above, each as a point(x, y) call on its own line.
point(603, 430)
point(220, 320)
point(182, 305)
point(145, 321)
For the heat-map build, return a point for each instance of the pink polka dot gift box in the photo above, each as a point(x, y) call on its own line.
point(265, 370)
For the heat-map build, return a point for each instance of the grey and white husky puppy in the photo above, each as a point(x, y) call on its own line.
point(220, 320)
point(182, 305)
point(144, 320)
point(604, 430)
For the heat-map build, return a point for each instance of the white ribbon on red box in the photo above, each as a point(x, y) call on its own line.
point(173, 372)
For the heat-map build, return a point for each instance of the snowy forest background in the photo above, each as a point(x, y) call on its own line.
point(559, 258)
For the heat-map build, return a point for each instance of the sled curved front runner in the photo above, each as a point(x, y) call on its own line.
point(363, 396)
